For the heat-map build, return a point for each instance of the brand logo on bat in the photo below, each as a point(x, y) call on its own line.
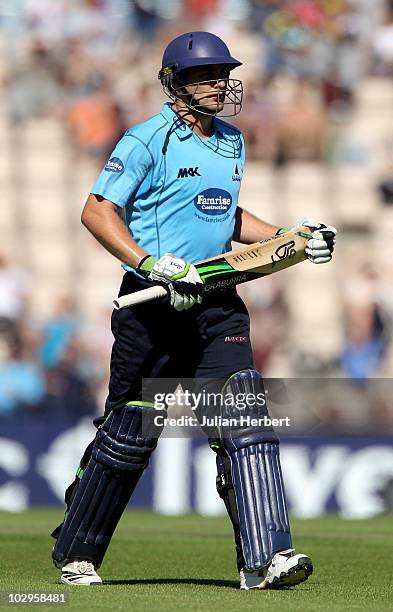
point(225, 282)
point(213, 201)
point(283, 252)
point(114, 165)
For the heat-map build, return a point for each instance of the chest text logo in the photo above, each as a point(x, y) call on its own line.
point(186, 172)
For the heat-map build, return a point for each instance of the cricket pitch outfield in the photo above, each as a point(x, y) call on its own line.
point(187, 563)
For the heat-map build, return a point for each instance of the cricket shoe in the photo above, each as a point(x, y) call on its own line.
point(285, 570)
point(79, 572)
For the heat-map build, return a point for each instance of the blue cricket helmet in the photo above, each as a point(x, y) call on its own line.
point(192, 50)
point(196, 49)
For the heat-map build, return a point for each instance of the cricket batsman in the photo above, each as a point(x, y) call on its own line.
point(176, 178)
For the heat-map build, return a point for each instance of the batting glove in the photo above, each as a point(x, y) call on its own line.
point(180, 277)
point(320, 246)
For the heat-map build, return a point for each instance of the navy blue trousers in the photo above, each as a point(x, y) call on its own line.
point(152, 340)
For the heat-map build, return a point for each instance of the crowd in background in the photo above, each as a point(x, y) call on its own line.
point(98, 59)
point(44, 366)
point(93, 65)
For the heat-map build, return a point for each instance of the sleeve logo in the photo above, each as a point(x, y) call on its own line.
point(114, 165)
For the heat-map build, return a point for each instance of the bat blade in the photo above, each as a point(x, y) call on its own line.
point(254, 260)
point(239, 266)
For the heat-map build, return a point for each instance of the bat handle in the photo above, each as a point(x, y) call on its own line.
point(145, 295)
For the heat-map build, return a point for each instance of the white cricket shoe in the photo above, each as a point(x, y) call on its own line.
point(79, 572)
point(286, 569)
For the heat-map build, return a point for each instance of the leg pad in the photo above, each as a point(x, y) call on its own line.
point(256, 475)
point(120, 454)
point(263, 517)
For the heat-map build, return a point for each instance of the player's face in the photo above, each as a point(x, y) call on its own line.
point(207, 85)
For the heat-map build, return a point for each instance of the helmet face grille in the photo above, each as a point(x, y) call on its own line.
point(228, 101)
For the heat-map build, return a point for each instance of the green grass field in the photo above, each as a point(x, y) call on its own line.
point(187, 563)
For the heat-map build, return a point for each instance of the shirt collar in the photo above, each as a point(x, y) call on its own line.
point(181, 128)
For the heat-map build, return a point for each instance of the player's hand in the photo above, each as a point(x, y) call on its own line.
point(181, 277)
point(320, 246)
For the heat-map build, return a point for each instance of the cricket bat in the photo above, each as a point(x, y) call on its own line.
point(239, 266)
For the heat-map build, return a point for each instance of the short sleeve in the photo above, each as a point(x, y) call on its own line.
point(128, 166)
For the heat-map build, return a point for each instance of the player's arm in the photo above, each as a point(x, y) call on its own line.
point(250, 229)
point(101, 218)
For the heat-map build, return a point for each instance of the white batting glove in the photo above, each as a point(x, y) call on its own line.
point(320, 246)
point(181, 277)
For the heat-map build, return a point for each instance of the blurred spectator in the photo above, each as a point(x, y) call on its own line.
point(383, 43)
point(284, 125)
point(368, 330)
point(344, 63)
point(67, 393)
point(21, 382)
point(33, 83)
point(385, 185)
point(94, 120)
point(144, 90)
point(259, 120)
point(260, 10)
point(58, 332)
point(302, 124)
point(93, 21)
point(147, 19)
point(200, 8)
point(96, 344)
point(14, 288)
point(96, 341)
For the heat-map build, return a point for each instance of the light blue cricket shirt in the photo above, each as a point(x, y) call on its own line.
point(180, 201)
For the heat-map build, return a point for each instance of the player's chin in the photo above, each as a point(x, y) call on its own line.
point(212, 108)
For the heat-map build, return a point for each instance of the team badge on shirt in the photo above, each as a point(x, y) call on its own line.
point(114, 165)
point(237, 173)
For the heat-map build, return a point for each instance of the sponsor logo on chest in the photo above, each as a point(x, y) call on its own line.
point(213, 201)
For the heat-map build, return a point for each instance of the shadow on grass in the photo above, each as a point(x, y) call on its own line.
point(231, 584)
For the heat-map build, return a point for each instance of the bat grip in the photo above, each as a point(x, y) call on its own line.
point(145, 295)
